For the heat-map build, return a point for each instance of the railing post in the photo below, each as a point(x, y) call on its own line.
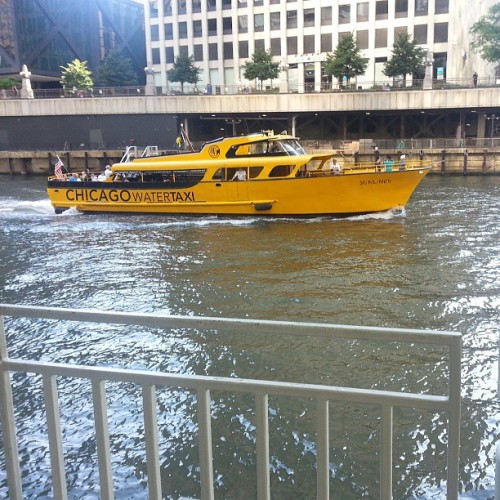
point(102, 438)
point(454, 418)
point(205, 444)
point(9, 424)
point(262, 424)
point(55, 437)
point(386, 453)
point(323, 450)
point(151, 439)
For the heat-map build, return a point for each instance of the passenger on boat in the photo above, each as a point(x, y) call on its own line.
point(389, 163)
point(107, 171)
point(402, 162)
point(335, 168)
point(240, 175)
point(74, 178)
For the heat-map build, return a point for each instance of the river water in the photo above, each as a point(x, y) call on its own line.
point(436, 267)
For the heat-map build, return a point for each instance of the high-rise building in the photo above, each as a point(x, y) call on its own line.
point(222, 35)
point(47, 34)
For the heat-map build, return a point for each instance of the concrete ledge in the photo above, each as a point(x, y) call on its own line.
point(246, 104)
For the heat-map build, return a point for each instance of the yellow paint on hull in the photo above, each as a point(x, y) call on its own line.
point(352, 193)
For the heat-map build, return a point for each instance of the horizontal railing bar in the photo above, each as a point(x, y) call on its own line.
point(96, 374)
point(249, 326)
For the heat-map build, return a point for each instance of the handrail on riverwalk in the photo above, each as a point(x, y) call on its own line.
point(203, 385)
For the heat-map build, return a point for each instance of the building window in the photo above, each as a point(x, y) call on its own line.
point(226, 4)
point(155, 36)
point(258, 22)
point(400, 30)
point(198, 52)
point(381, 38)
point(211, 4)
point(257, 3)
point(183, 32)
point(291, 45)
point(362, 12)
point(326, 42)
point(228, 50)
point(213, 55)
point(401, 8)
point(421, 7)
point(420, 33)
point(308, 18)
point(181, 6)
point(362, 38)
point(442, 6)
point(184, 51)
point(440, 32)
point(276, 47)
point(291, 19)
point(212, 27)
point(243, 49)
point(227, 25)
point(275, 20)
point(381, 10)
point(196, 5)
point(326, 16)
point(197, 30)
point(243, 24)
point(169, 55)
point(309, 44)
point(242, 3)
point(260, 45)
point(167, 7)
point(344, 14)
point(169, 33)
point(156, 56)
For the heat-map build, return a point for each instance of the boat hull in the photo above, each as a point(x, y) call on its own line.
point(337, 195)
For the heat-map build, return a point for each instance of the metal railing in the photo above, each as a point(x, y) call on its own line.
point(275, 88)
point(203, 385)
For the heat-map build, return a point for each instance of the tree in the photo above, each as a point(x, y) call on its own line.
point(346, 60)
point(76, 76)
point(8, 83)
point(116, 71)
point(486, 35)
point(407, 57)
point(261, 67)
point(183, 71)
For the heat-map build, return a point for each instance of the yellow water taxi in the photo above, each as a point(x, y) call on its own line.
point(264, 174)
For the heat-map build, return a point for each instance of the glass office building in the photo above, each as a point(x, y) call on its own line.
point(47, 34)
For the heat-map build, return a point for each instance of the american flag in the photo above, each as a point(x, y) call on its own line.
point(58, 167)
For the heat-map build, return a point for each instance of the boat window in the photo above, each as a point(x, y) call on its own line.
point(220, 175)
point(281, 171)
point(255, 171)
point(173, 176)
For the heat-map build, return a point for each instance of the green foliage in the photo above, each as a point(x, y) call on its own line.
point(8, 83)
point(486, 35)
point(261, 67)
point(116, 71)
point(183, 71)
point(346, 60)
point(407, 57)
point(77, 76)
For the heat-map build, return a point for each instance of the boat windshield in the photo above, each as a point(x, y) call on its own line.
point(292, 147)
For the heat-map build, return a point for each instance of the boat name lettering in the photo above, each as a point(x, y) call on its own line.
point(126, 196)
point(377, 181)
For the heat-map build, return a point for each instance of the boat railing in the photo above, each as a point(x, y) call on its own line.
point(349, 167)
point(133, 152)
point(203, 386)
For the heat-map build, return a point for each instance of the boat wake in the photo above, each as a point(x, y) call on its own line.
point(19, 207)
point(393, 213)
